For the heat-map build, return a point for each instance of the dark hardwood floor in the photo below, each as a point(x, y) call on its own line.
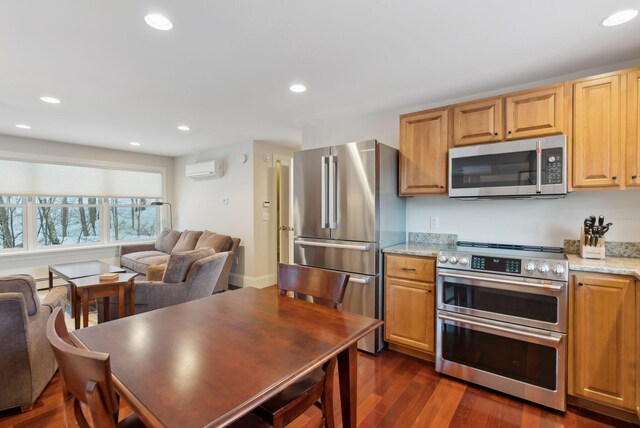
point(394, 390)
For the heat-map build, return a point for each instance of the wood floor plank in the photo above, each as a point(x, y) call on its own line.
point(394, 390)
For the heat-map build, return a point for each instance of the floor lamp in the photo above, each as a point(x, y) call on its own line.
point(170, 211)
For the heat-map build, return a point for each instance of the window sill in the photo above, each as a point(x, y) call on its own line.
point(87, 249)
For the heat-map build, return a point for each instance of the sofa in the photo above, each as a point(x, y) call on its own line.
point(140, 257)
point(27, 363)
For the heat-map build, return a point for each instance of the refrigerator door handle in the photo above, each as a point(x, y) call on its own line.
point(324, 166)
point(364, 247)
point(333, 192)
point(360, 280)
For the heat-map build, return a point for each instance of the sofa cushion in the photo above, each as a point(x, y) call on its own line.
point(141, 260)
point(213, 240)
point(167, 240)
point(187, 241)
point(24, 284)
point(156, 272)
point(179, 264)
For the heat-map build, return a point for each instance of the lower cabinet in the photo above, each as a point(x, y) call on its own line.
point(410, 304)
point(602, 340)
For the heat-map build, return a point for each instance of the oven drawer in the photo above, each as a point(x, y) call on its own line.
point(410, 267)
point(532, 303)
point(521, 361)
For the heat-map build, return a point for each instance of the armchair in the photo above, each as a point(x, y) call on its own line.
point(201, 281)
point(27, 363)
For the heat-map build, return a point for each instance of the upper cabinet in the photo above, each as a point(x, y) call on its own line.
point(633, 130)
point(596, 131)
point(478, 122)
point(534, 113)
point(424, 138)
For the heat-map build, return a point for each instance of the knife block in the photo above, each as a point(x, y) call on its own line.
point(591, 251)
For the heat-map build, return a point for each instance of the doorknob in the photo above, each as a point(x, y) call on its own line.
point(286, 228)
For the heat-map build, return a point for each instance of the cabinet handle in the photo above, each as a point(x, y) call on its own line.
point(509, 132)
point(633, 177)
point(429, 291)
point(495, 133)
point(580, 284)
point(442, 187)
point(406, 268)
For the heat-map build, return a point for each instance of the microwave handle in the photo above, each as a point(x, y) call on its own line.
point(538, 166)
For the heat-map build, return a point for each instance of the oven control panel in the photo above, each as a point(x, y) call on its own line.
point(496, 264)
point(541, 268)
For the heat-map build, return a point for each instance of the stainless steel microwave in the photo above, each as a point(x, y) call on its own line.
point(530, 168)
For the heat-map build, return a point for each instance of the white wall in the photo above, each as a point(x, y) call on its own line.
point(37, 263)
point(199, 204)
point(536, 222)
point(542, 222)
point(246, 185)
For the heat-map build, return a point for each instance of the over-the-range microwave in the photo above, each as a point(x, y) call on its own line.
point(530, 168)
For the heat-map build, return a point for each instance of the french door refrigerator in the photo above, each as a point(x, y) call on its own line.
point(346, 208)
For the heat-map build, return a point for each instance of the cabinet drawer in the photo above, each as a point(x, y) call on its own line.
point(410, 267)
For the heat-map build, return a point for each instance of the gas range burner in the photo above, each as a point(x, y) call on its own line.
point(517, 260)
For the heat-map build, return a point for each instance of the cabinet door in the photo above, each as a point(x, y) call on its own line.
point(596, 132)
point(603, 344)
point(633, 129)
point(534, 113)
point(409, 313)
point(424, 141)
point(478, 122)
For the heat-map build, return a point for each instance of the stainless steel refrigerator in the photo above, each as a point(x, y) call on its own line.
point(346, 208)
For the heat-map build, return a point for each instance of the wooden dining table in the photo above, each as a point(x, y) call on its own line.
point(210, 361)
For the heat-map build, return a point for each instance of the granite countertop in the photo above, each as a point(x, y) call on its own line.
point(614, 265)
point(416, 249)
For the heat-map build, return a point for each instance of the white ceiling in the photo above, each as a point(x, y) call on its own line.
point(226, 66)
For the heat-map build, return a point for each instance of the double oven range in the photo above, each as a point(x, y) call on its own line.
point(502, 319)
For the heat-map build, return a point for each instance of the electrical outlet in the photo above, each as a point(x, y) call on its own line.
point(225, 200)
point(435, 222)
point(266, 216)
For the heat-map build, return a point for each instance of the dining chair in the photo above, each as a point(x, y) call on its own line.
point(86, 379)
point(323, 287)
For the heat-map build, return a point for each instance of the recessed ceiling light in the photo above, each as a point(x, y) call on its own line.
point(22, 126)
point(297, 87)
point(50, 100)
point(184, 128)
point(159, 22)
point(135, 143)
point(620, 18)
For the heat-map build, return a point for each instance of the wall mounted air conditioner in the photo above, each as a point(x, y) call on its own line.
point(204, 170)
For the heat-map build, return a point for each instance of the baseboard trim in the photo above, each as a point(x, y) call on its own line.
point(263, 281)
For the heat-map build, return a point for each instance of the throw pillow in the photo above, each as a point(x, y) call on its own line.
point(180, 263)
point(214, 240)
point(167, 240)
point(187, 241)
point(156, 272)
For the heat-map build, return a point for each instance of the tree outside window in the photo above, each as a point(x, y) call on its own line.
point(132, 219)
point(11, 222)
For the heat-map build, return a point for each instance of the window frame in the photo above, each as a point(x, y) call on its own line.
point(34, 235)
point(25, 234)
point(108, 205)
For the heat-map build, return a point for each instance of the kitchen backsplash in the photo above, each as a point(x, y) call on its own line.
point(433, 238)
point(612, 248)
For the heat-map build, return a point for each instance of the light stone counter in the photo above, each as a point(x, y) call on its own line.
point(415, 249)
point(613, 265)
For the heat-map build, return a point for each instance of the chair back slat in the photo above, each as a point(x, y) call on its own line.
point(326, 285)
point(86, 375)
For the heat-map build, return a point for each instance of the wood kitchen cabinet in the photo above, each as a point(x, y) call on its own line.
point(409, 313)
point(602, 339)
point(478, 122)
point(424, 140)
point(632, 173)
point(597, 136)
point(534, 113)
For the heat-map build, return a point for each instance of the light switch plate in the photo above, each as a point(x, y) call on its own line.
point(266, 216)
point(225, 200)
point(435, 222)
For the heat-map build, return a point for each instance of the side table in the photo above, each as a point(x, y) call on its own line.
point(90, 288)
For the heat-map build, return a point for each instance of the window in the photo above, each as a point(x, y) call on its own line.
point(62, 220)
point(132, 219)
point(11, 222)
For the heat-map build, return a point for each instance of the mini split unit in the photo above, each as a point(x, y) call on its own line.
point(204, 170)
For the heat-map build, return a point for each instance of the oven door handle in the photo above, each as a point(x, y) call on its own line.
point(538, 166)
point(551, 287)
point(549, 339)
